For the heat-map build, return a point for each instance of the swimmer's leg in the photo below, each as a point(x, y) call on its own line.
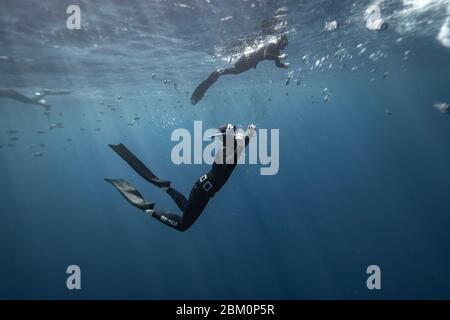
point(200, 91)
point(198, 200)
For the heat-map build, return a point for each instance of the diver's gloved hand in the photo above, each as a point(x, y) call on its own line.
point(251, 130)
point(286, 65)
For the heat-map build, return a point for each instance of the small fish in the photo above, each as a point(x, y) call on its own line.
point(443, 107)
point(37, 154)
point(331, 26)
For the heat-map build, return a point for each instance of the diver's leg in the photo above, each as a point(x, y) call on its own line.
point(170, 219)
point(198, 200)
point(179, 198)
point(133, 196)
point(139, 167)
point(201, 89)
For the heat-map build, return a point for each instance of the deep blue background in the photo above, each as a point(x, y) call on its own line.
point(356, 185)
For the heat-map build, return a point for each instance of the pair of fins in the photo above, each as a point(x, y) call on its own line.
point(133, 196)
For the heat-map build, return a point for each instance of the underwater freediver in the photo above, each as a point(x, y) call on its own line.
point(233, 143)
point(270, 51)
point(38, 98)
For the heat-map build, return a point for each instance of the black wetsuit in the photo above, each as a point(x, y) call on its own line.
point(203, 190)
point(12, 94)
point(38, 99)
point(271, 51)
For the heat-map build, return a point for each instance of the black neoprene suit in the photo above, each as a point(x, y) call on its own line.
point(270, 51)
point(199, 197)
point(204, 188)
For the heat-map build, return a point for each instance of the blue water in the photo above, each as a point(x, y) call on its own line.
point(364, 178)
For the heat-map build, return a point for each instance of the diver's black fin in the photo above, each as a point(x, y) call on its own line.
point(133, 196)
point(138, 166)
point(200, 91)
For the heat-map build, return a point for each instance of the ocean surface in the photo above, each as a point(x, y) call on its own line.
point(364, 175)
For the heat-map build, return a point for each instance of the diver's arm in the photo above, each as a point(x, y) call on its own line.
point(43, 103)
point(223, 128)
point(249, 133)
point(47, 92)
point(222, 131)
point(271, 52)
point(281, 64)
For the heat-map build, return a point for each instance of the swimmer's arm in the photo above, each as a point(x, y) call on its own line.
point(271, 52)
point(249, 133)
point(223, 128)
point(281, 64)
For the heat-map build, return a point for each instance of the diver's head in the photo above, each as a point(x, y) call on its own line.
point(283, 41)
